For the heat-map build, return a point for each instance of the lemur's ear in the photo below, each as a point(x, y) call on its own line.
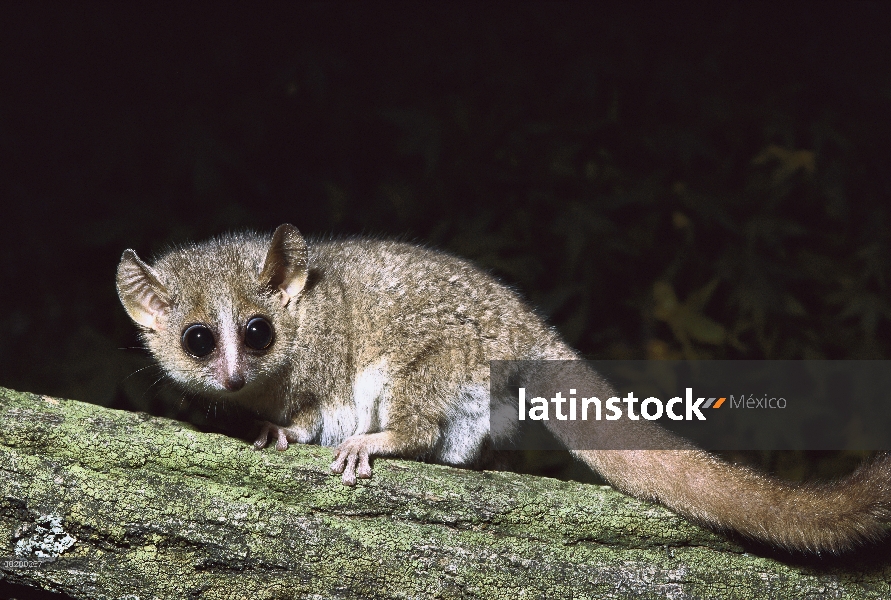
point(285, 268)
point(144, 296)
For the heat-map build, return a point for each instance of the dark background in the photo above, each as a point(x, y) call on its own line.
point(661, 182)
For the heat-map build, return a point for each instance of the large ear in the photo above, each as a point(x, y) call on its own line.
point(144, 296)
point(286, 268)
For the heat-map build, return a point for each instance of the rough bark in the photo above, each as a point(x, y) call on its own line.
point(133, 506)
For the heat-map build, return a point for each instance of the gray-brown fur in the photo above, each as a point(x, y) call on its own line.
point(383, 349)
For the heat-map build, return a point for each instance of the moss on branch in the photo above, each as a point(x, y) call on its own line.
point(124, 504)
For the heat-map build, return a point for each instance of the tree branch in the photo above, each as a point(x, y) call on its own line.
point(131, 504)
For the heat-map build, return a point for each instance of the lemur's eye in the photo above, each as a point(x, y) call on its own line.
point(258, 334)
point(198, 340)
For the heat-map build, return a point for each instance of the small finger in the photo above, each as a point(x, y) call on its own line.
point(349, 473)
point(364, 466)
point(282, 443)
point(260, 443)
point(339, 462)
point(349, 476)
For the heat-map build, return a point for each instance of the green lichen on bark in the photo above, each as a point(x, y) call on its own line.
point(159, 509)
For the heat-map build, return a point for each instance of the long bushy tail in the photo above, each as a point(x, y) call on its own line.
point(824, 517)
point(817, 517)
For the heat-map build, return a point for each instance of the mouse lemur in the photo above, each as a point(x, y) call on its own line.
point(381, 348)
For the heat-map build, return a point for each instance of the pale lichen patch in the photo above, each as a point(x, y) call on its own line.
point(48, 538)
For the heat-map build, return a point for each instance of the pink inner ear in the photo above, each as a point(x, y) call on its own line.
point(142, 293)
point(143, 302)
point(285, 264)
point(153, 303)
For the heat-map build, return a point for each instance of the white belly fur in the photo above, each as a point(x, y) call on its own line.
point(365, 412)
point(463, 432)
point(466, 427)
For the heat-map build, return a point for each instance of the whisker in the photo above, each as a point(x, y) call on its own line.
point(140, 370)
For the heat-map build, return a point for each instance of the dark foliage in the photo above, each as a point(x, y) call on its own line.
point(661, 182)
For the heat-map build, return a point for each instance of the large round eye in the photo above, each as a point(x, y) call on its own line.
point(198, 340)
point(258, 334)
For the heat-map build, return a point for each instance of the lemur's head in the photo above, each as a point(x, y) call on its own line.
point(210, 313)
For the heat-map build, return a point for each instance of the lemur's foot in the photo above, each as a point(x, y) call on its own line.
point(352, 457)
